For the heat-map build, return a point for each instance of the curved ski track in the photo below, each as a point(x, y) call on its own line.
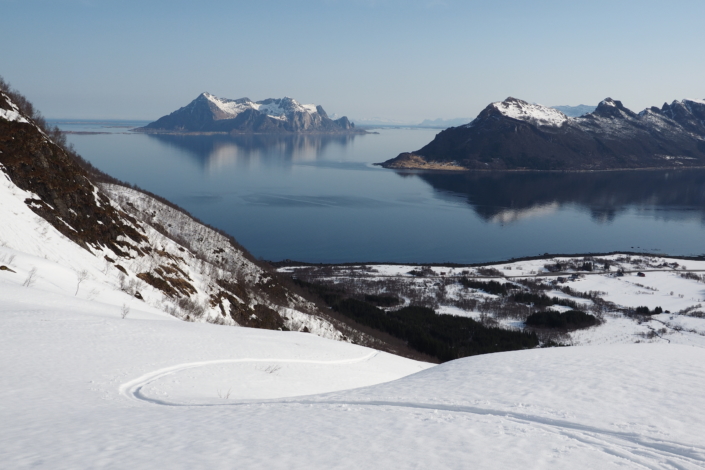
point(640, 450)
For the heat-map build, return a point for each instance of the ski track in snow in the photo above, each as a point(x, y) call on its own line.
point(640, 450)
point(132, 389)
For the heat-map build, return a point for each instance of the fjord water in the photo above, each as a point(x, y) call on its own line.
point(318, 198)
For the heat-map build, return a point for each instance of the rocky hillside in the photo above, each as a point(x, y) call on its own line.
point(210, 114)
point(516, 135)
point(117, 238)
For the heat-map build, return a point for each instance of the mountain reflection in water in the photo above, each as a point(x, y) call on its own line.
point(214, 151)
point(318, 198)
point(507, 197)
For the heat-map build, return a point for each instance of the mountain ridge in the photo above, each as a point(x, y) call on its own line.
point(516, 135)
point(210, 114)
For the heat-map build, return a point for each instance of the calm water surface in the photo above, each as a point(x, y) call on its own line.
point(319, 199)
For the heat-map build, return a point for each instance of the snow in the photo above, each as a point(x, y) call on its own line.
point(10, 115)
point(83, 388)
point(34, 243)
point(276, 108)
point(533, 113)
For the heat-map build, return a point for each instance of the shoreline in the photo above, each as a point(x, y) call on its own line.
point(356, 132)
point(290, 263)
point(458, 169)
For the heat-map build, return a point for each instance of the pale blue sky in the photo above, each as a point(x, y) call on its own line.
point(403, 60)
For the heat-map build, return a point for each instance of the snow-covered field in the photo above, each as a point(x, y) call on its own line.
point(84, 388)
point(631, 281)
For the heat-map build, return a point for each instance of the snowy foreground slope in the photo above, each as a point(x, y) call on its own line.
point(83, 388)
point(30, 244)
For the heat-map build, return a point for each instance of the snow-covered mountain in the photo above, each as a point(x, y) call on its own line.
point(514, 134)
point(116, 244)
point(208, 113)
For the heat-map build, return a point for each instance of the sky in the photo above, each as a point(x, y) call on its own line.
point(397, 60)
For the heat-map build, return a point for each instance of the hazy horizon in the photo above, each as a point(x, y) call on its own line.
point(403, 61)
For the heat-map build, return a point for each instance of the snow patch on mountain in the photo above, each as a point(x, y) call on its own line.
point(694, 100)
point(276, 108)
point(534, 113)
point(11, 114)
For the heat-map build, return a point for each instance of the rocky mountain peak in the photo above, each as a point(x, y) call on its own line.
point(514, 134)
point(609, 108)
point(209, 113)
point(533, 113)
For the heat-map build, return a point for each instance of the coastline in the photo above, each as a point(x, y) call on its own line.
point(439, 167)
point(289, 262)
point(164, 132)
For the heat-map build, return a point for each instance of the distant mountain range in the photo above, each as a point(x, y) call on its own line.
point(575, 111)
point(516, 135)
point(444, 123)
point(210, 114)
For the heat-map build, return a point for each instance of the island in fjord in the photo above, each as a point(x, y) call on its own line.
point(516, 135)
point(210, 114)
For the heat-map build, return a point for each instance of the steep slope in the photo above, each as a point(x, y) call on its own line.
point(514, 134)
point(208, 113)
point(120, 239)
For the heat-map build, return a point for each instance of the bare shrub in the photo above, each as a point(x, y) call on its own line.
point(692, 276)
point(488, 321)
point(30, 278)
point(692, 311)
point(81, 276)
point(272, 369)
point(124, 311)
point(190, 308)
point(489, 272)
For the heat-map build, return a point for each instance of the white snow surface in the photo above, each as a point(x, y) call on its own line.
point(276, 108)
point(533, 113)
point(10, 115)
point(83, 388)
